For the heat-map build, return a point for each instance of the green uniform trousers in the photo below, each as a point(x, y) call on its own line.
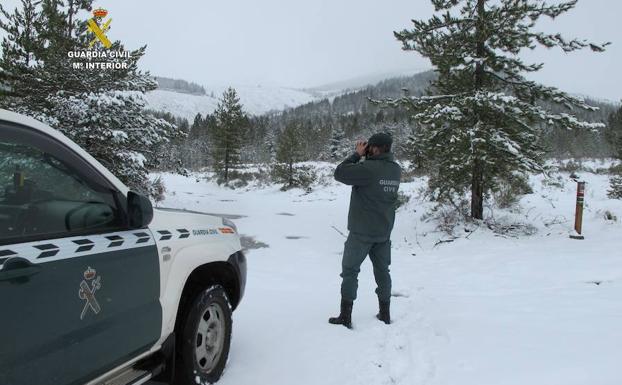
point(355, 251)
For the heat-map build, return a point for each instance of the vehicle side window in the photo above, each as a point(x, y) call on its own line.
point(42, 197)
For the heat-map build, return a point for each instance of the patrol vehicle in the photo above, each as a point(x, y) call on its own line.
point(96, 285)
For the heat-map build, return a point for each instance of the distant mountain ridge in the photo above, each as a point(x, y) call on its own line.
point(186, 99)
point(354, 115)
point(357, 100)
point(360, 82)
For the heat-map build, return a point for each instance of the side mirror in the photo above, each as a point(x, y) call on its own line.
point(139, 210)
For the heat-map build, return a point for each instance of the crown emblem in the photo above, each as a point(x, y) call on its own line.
point(100, 13)
point(90, 274)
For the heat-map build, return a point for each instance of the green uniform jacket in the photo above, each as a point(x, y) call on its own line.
point(373, 201)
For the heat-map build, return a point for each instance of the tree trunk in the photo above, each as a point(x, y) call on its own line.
point(291, 174)
point(477, 173)
point(477, 191)
point(226, 166)
point(480, 36)
point(70, 14)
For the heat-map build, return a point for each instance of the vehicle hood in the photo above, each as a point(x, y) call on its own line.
point(174, 210)
point(185, 228)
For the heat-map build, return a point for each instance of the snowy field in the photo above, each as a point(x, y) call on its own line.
point(482, 309)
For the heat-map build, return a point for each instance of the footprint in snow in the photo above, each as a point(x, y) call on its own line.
point(397, 294)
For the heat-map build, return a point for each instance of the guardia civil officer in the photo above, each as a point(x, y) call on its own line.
point(375, 178)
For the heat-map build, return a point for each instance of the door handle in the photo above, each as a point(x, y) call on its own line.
point(17, 267)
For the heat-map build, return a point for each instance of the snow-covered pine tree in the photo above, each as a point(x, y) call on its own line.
point(18, 49)
point(197, 125)
point(481, 120)
point(289, 152)
point(258, 143)
point(615, 187)
point(101, 110)
point(412, 150)
point(338, 145)
point(172, 155)
point(614, 132)
point(228, 134)
point(270, 142)
point(196, 148)
point(614, 136)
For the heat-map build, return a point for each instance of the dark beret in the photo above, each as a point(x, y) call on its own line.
point(380, 139)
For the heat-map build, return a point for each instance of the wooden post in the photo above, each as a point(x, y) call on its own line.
point(578, 219)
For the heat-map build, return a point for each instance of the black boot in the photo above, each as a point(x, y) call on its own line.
point(345, 317)
point(385, 314)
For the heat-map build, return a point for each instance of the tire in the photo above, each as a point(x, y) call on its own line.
point(205, 338)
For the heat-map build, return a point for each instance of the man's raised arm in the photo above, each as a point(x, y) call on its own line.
point(351, 171)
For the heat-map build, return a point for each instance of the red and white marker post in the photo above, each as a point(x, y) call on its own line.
point(578, 217)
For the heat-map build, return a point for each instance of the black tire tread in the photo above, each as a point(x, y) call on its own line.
point(185, 371)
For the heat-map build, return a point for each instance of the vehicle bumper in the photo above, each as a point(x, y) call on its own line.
point(238, 261)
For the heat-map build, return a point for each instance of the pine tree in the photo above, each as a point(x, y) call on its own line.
point(18, 48)
point(270, 142)
point(290, 152)
point(481, 120)
point(338, 145)
point(197, 126)
point(414, 151)
point(101, 110)
point(228, 134)
point(614, 136)
point(197, 146)
point(614, 132)
point(615, 187)
point(172, 156)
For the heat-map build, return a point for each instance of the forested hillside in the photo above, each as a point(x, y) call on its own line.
point(353, 114)
point(179, 85)
point(329, 126)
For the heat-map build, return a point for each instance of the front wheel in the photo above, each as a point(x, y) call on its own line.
point(205, 338)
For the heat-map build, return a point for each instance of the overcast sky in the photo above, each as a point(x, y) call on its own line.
point(306, 43)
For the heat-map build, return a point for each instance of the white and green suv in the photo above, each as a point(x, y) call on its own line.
point(98, 287)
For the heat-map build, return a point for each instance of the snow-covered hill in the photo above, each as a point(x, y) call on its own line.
point(256, 100)
point(259, 99)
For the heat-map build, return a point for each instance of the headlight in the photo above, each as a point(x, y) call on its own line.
point(229, 223)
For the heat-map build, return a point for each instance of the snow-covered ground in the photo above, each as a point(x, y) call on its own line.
point(483, 309)
point(256, 100)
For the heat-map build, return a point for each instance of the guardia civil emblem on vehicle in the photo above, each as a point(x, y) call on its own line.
point(89, 285)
